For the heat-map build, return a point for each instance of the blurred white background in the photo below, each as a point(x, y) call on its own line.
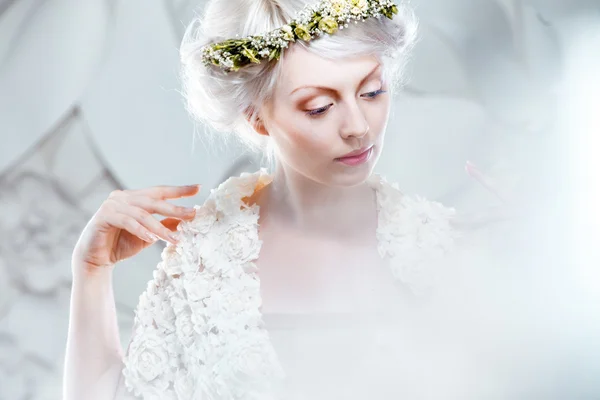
point(89, 103)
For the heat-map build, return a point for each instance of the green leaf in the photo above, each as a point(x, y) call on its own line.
point(237, 60)
point(275, 53)
point(251, 55)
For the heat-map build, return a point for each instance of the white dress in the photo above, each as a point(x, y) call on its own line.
point(199, 332)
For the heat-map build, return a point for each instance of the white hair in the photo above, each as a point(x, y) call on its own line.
point(225, 102)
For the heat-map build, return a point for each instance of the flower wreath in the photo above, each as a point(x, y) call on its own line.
point(327, 16)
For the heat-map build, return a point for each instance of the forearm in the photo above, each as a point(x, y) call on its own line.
point(94, 352)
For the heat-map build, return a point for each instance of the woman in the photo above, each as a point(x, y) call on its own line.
point(302, 289)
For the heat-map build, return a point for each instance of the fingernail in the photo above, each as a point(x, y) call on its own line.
point(174, 237)
point(152, 236)
point(194, 186)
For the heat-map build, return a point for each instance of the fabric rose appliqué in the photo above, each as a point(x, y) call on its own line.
point(235, 242)
point(150, 364)
point(228, 196)
point(241, 242)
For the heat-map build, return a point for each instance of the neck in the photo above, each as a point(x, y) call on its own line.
point(318, 208)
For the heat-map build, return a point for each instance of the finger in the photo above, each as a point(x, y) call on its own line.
point(147, 221)
point(130, 225)
point(485, 181)
point(166, 192)
point(154, 206)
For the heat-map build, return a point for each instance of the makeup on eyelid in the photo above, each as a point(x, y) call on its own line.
point(314, 111)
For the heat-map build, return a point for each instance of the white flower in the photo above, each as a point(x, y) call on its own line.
point(171, 261)
point(175, 291)
point(199, 286)
point(415, 234)
point(359, 6)
point(149, 363)
point(229, 196)
point(229, 301)
point(186, 382)
point(338, 7)
point(288, 33)
point(233, 243)
point(184, 327)
point(213, 259)
point(248, 182)
point(433, 220)
point(160, 277)
point(247, 287)
point(183, 257)
point(241, 244)
point(226, 197)
point(154, 308)
point(206, 215)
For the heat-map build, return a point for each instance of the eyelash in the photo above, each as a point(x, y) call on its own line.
point(321, 110)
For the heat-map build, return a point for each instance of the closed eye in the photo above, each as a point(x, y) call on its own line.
point(318, 111)
point(322, 110)
point(374, 94)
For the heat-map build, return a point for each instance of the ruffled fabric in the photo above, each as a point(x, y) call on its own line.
point(199, 332)
point(414, 233)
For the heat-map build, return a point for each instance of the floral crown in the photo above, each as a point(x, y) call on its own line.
point(327, 16)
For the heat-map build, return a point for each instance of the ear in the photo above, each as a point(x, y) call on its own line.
point(260, 128)
point(256, 122)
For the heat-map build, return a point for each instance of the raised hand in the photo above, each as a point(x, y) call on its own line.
point(124, 225)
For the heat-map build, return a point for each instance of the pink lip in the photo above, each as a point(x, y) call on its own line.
point(356, 152)
point(357, 159)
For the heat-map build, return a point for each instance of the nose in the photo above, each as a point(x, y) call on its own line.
point(355, 123)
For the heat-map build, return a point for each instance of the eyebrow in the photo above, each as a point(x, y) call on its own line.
point(331, 89)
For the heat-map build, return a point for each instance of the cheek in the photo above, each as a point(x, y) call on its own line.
point(307, 137)
point(378, 119)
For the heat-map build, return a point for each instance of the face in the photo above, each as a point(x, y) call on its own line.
point(325, 112)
